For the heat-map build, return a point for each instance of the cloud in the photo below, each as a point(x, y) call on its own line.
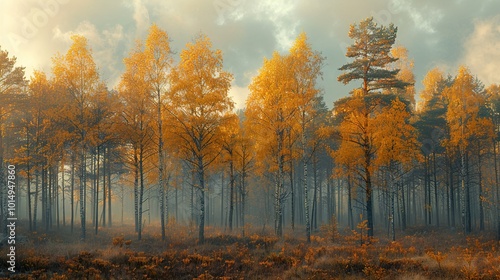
point(105, 45)
point(482, 50)
point(239, 96)
point(141, 17)
point(435, 32)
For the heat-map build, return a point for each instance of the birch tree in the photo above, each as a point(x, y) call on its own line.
point(199, 108)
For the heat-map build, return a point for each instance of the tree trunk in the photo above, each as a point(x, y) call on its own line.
point(136, 190)
point(63, 186)
point(350, 218)
point(141, 191)
point(201, 177)
point(292, 194)
point(243, 195)
point(480, 184)
point(96, 210)
point(46, 179)
point(497, 188)
point(231, 192)
point(393, 228)
point(436, 205)
point(278, 189)
point(306, 194)
point(161, 167)
point(468, 213)
point(35, 203)
point(315, 197)
point(222, 200)
point(105, 156)
point(368, 190)
point(452, 196)
point(82, 192)
point(403, 207)
point(28, 178)
point(109, 189)
point(72, 200)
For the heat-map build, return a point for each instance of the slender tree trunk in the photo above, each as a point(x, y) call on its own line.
point(97, 175)
point(176, 204)
point(222, 200)
point(47, 186)
point(105, 156)
point(403, 207)
point(306, 196)
point(315, 197)
point(201, 178)
point(329, 199)
point(243, 196)
point(191, 199)
point(28, 178)
point(393, 228)
point(369, 199)
point(278, 219)
point(468, 212)
point(452, 196)
point(231, 192)
point(141, 192)
point(136, 190)
point(56, 189)
point(35, 206)
point(3, 189)
point(350, 217)
point(109, 190)
point(82, 192)
point(497, 206)
point(480, 184)
point(72, 198)
point(161, 168)
point(63, 187)
point(436, 207)
point(93, 188)
point(43, 194)
point(292, 194)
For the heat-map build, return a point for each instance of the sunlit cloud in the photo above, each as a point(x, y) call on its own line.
point(482, 50)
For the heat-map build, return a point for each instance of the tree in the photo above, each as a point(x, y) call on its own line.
point(371, 54)
point(305, 66)
point(77, 74)
point(244, 164)
point(464, 98)
point(433, 86)
point(397, 149)
point(199, 108)
point(103, 122)
point(269, 114)
point(12, 84)
point(494, 104)
point(405, 74)
point(158, 63)
point(137, 124)
point(31, 121)
point(231, 136)
point(431, 122)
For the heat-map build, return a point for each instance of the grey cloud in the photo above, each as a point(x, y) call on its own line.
point(435, 32)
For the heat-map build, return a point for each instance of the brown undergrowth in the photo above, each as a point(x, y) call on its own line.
point(114, 253)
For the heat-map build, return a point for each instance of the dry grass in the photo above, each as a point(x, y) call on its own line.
point(116, 254)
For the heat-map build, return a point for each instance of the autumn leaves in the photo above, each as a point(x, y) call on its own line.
point(168, 120)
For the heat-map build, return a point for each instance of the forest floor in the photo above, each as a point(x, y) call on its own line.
point(115, 253)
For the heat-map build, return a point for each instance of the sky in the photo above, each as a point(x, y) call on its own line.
point(444, 34)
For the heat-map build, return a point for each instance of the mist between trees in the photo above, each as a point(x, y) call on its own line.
point(166, 145)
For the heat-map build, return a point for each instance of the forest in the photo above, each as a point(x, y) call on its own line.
point(162, 178)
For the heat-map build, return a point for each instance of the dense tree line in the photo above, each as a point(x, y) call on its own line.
point(170, 134)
